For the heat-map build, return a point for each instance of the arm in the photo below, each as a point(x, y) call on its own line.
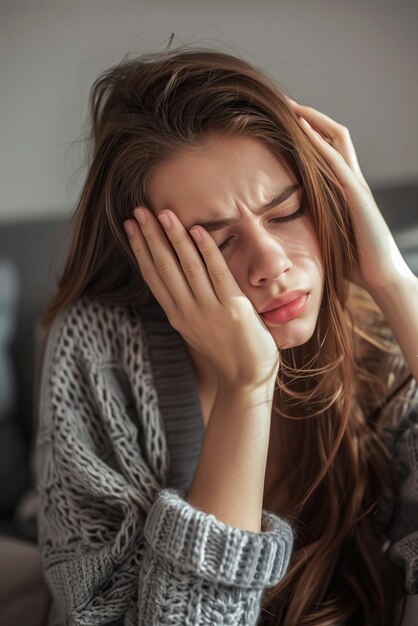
point(204, 303)
point(229, 477)
point(209, 538)
point(399, 304)
point(380, 268)
point(115, 543)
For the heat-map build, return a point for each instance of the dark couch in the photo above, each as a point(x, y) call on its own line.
point(31, 255)
point(36, 250)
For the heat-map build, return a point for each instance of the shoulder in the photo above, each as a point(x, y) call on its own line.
point(94, 332)
point(399, 414)
point(97, 393)
point(91, 347)
point(402, 507)
point(400, 431)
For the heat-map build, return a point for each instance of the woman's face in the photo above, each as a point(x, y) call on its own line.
point(233, 179)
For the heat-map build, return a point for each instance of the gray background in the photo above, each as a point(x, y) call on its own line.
point(355, 61)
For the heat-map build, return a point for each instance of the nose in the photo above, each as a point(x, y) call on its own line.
point(268, 258)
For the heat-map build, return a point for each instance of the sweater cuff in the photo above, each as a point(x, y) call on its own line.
point(200, 543)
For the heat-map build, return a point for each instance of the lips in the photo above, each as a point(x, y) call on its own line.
point(287, 312)
point(282, 300)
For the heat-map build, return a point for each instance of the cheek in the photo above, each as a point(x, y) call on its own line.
point(237, 270)
point(305, 254)
point(312, 251)
point(313, 257)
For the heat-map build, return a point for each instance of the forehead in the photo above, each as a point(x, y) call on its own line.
point(217, 178)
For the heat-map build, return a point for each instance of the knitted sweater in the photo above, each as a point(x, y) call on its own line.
point(120, 431)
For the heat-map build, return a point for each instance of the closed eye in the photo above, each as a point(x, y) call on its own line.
point(286, 218)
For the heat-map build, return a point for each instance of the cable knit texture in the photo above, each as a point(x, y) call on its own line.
point(120, 430)
point(118, 544)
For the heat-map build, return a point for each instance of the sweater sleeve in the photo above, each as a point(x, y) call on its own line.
point(402, 535)
point(222, 570)
point(118, 547)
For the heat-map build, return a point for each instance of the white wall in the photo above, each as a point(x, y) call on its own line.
point(355, 60)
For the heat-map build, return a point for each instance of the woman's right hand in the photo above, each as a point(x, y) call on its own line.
point(203, 301)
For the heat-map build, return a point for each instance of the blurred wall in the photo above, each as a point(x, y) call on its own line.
point(354, 60)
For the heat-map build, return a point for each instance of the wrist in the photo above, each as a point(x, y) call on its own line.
point(389, 284)
point(392, 289)
point(248, 393)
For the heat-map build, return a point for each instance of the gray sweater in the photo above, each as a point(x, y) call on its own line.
point(120, 431)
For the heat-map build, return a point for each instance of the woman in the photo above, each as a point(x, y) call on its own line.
point(226, 421)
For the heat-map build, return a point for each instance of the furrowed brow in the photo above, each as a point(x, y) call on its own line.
point(279, 198)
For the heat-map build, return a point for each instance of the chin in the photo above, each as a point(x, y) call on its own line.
point(287, 337)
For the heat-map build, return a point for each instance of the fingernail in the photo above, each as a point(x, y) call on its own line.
point(140, 215)
point(196, 234)
point(164, 219)
point(129, 228)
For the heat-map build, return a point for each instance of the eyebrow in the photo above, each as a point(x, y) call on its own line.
point(279, 198)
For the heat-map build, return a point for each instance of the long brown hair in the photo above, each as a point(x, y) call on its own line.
point(334, 464)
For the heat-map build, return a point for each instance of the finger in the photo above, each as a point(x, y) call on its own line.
point(146, 266)
point(192, 265)
point(323, 123)
point(332, 132)
point(223, 282)
point(334, 156)
point(344, 146)
point(166, 263)
point(208, 274)
point(296, 106)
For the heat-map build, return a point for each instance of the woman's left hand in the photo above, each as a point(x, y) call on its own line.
point(380, 261)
